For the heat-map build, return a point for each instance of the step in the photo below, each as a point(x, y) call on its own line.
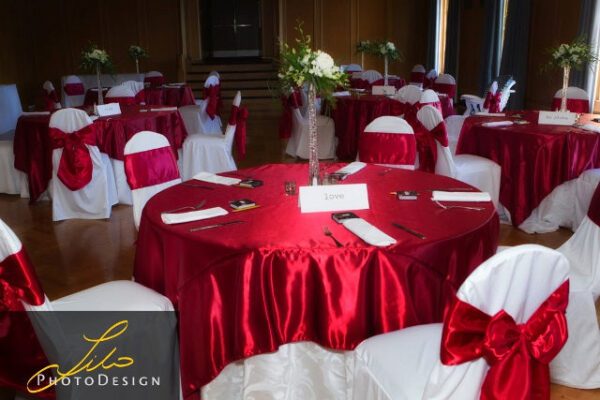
point(267, 66)
point(235, 85)
point(201, 77)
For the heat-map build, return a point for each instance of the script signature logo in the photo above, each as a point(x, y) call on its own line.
point(89, 362)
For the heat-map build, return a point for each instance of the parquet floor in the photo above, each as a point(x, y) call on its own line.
point(76, 254)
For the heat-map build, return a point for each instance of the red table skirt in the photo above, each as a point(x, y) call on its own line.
point(534, 158)
point(33, 152)
point(175, 96)
point(246, 289)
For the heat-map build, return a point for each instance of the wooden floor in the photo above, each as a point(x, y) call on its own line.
point(76, 254)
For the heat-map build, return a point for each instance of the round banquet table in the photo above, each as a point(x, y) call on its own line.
point(168, 95)
point(353, 113)
point(534, 158)
point(33, 150)
point(275, 278)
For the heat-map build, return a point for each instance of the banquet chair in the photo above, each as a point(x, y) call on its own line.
point(150, 167)
point(73, 93)
point(207, 121)
point(212, 153)
point(430, 98)
point(352, 68)
point(417, 75)
point(480, 172)
point(154, 78)
point(578, 364)
point(578, 100)
point(23, 291)
point(215, 73)
point(138, 89)
point(388, 141)
point(50, 97)
point(371, 75)
point(11, 179)
point(82, 184)
point(446, 84)
point(121, 94)
point(430, 78)
point(409, 94)
point(464, 357)
point(297, 145)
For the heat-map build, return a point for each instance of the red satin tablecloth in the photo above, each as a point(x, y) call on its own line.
point(534, 158)
point(33, 152)
point(247, 288)
point(173, 96)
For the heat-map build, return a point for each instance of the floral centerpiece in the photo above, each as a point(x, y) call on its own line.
point(94, 59)
point(364, 46)
point(568, 56)
point(384, 49)
point(316, 69)
point(136, 52)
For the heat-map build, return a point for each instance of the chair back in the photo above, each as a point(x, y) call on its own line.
point(10, 104)
point(122, 94)
point(417, 75)
point(211, 80)
point(73, 93)
point(236, 126)
point(411, 94)
point(517, 281)
point(135, 86)
point(192, 119)
point(430, 97)
point(352, 68)
point(150, 167)
point(154, 78)
point(445, 83)
point(390, 141)
point(50, 97)
point(215, 73)
point(577, 100)
point(430, 78)
point(435, 145)
point(371, 75)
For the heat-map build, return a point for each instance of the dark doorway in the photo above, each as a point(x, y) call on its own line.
point(232, 28)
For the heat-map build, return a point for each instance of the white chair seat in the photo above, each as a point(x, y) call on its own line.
point(206, 153)
point(10, 181)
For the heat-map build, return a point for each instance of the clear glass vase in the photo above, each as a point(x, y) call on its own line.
point(99, 85)
point(385, 70)
point(563, 100)
point(313, 147)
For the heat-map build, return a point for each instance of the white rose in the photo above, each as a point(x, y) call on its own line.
point(322, 65)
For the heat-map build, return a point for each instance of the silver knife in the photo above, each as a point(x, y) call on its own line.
point(405, 229)
point(201, 228)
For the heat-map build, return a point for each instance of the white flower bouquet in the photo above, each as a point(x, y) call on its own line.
point(572, 55)
point(93, 58)
point(136, 52)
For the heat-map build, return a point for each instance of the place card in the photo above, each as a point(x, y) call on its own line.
point(557, 118)
point(107, 109)
point(383, 90)
point(333, 198)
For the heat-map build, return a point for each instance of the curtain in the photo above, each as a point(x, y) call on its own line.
point(516, 49)
point(452, 38)
point(490, 53)
point(584, 78)
point(432, 34)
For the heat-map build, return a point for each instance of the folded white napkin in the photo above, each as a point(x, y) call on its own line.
point(590, 127)
point(164, 109)
point(438, 195)
point(212, 178)
point(180, 218)
point(497, 123)
point(32, 113)
point(489, 114)
point(352, 168)
point(341, 94)
point(368, 232)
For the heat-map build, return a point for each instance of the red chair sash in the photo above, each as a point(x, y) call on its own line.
point(428, 82)
point(238, 118)
point(140, 97)
point(410, 113)
point(75, 167)
point(417, 77)
point(446, 88)
point(435, 104)
point(123, 101)
point(50, 100)
point(211, 94)
point(492, 102)
point(427, 147)
point(18, 281)
point(573, 105)
point(594, 210)
point(155, 80)
point(518, 355)
point(358, 83)
point(74, 89)
point(151, 167)
point(387, 148)
point(293, 101)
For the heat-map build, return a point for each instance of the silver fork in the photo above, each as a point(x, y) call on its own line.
point(463, 207)
point(327, 232)
point(196, 207)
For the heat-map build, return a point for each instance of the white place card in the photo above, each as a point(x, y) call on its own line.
point(333, 198)
point(557, 118)
point(107, 109)
point(383, 90)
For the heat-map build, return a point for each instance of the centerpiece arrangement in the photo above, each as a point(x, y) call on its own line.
point(136, 52)
point(302, 66)
point(364, 46)
point(96, 60)
point(384, 49)
point(568, 56)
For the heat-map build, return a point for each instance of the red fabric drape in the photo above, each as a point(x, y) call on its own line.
point(286, 122)
point(426, 145)
point(446, 88)
point(387, 148)
point(594, 210)
point(123, 101)
point(573, 105)
point(238, 117)
point(417, 77)
point(74, 89)
point(155, 80)
point(212, 96)
point(75, 167)
point(151, 167)
point(518, 354)
point(492, 102)
point(50, 100)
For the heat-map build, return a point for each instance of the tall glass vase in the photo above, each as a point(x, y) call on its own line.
point(362, 60)
point(137, 66)
point(385, 70)
point(563, 100)
point(99, 85)
point(313, 147)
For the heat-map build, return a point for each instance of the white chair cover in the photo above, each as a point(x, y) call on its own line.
point(406, 364)
point(95, 200)
point(49, 88)
point(74, 100)
point(477, 171)
point(353, 68)
point(429, 97)
point(572, 93)
point(135, 86)
point(141, 142)
point(10, 106)
point(389, 124)
point(371, 75)
point(578, 364)
point(204, 125)
point(454, 124)
point(208, 153)
point(121, 91)
point(215, 73)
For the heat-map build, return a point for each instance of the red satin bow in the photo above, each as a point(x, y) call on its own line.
point(50, 99)
point(410, 112)
point(75, 167)
point(518, 355)
point(18, 282)
point(151, 167)
point(211, 94)
point(74, 89)
point(238, 118)
point(492, 102)
point(417, 77)
point(427, 147)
